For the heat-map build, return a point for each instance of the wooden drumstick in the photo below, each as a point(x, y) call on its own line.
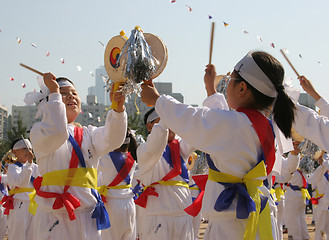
point(211, 40)
point(281, 50)
point(32, 69)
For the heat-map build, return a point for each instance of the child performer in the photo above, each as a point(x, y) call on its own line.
point(20, 178)
point(163, 172)
point(237, 142)
point(289, 166)
point(69, 207)
point(320, 179)
point(116, 171)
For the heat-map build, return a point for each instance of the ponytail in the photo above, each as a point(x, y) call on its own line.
point(284, 108)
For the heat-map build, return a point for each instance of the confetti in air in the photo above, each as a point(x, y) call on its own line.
point(259, 38)
point(101, 43)
point(285, 50)
point(172, 1)
point(245, 31)
point(209, 17)
point(91, 73)
point(79, 68)
point(18, 40)
point(300, 55)
point(90, 115)
point(272, 45)
point(47, 53)
point(98, 119)
point(225, 24)
point(62, 60)
point(11, 79)
point(33, 45)
point(188, 8)
point(23, 85)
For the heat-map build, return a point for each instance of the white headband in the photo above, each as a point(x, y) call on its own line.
point(65, 83)
point(249, 71)
point(152, 117)
point(23, 143)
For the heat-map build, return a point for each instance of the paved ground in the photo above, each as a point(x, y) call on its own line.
point(311, 229)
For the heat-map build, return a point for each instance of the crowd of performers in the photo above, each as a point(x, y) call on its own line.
point(96, 183)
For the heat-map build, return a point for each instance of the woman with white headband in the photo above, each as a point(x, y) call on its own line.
point(67, 204)
point(20, 178)
point(240, 143)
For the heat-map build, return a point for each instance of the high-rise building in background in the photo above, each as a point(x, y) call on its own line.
point(99, 89)
point(306, 100)
point(3, 122)
point(27, 114)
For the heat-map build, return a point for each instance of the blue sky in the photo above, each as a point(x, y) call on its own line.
point(72, 30)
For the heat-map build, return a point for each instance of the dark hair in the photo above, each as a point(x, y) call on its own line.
point(147, 114)
point(14, 142)
point(284, 108)
point(131, 146)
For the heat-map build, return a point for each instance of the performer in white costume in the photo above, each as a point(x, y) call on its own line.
point(3, 192)
point(319, 180)
point(20, 178)
point(116, 172)
point(236, 151)
point(69, 207)
point(163, 174)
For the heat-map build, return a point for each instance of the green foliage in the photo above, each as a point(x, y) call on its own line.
point(135, 122)
point(13, 133)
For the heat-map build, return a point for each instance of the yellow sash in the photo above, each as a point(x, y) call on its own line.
point(262, 221)
point(104, 189)
point(77, 177)
point(20, 190)
point(169, 183)
point(305, 193)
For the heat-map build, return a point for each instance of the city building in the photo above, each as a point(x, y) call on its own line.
point(99, 89)
point(306, 100)
point(3, 122)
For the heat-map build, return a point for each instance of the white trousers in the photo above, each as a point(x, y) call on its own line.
point(56, 225)
point(295, 220)
point(20, 221)
point(122, 213)
point(165, 227)
point(3, 224)
point(322, 225)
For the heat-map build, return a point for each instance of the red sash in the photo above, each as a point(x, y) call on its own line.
point(125, 170)
point(265, 134)
point(65, 199)
point(177, 170)
point(8, 203)
point(195, 207)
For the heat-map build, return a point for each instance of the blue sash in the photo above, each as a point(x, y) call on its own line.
point(119, 161)
point(232, 190)
point(167, 156)
point(99, 212)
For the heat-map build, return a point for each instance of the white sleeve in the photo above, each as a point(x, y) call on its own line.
point(316, 176)
point(185, 149)
point(216, 100)
point(290, 164)
point(312, 126)
point(51, 133)
point(150, 152)
point(323, 104)
point(18, 176)
point(197, 125)
point(110, 136)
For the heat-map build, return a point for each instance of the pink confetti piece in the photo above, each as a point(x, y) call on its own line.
point(33, 45)
point(81, 111)
point(245, 31)
point(18, 40)
point(259, 38)
point(172, 1)
point(47, 53)
point(62, 60)
point(11, 79)
point(188, 8)
point(272, 45)
point(23, 85)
